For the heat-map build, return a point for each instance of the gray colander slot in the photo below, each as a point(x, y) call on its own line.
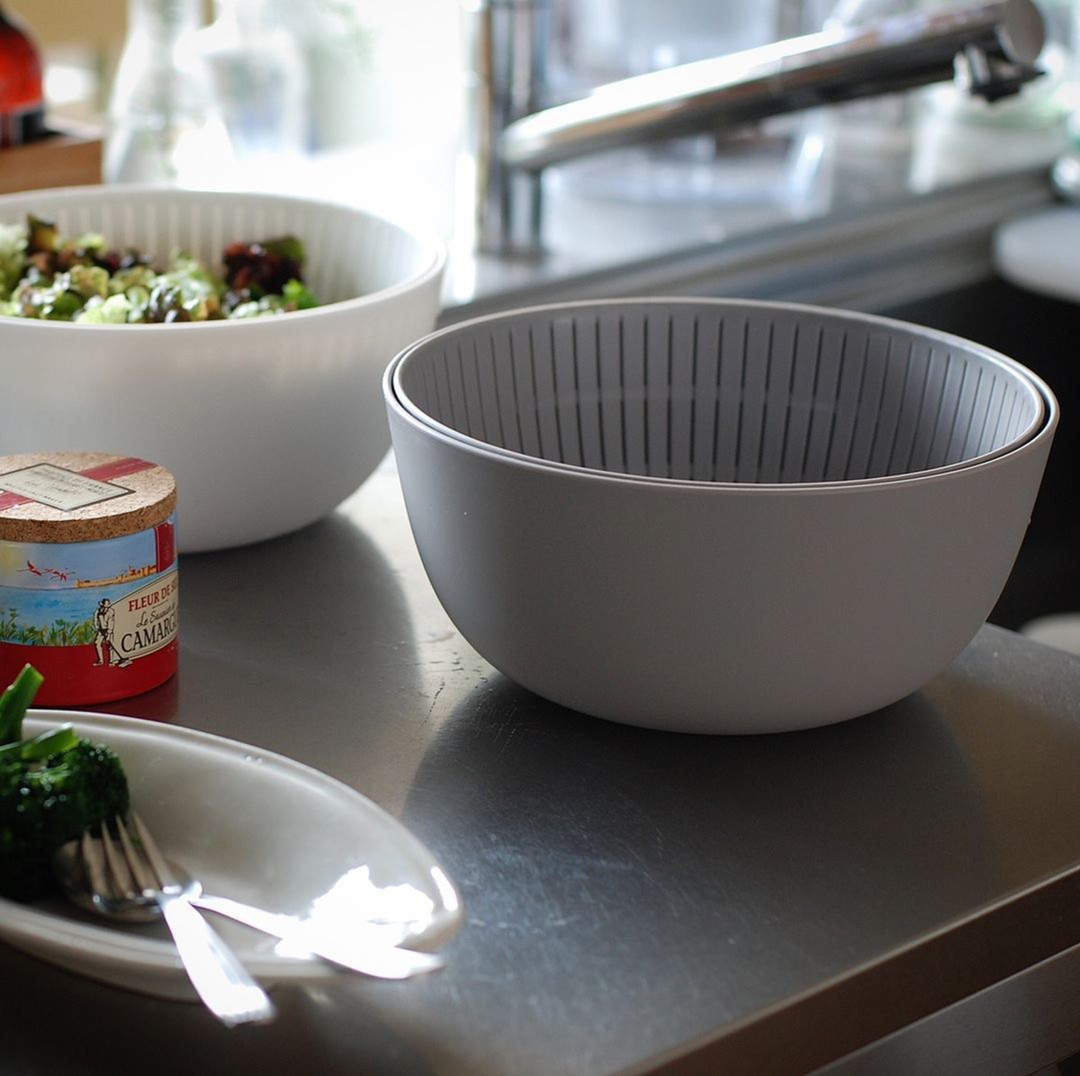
point(689, 391)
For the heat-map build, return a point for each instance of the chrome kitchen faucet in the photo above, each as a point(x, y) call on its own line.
point(990, 48)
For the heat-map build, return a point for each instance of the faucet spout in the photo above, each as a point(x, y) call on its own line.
point(999, 43)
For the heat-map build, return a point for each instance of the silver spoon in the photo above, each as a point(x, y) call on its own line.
point(363, 948)
point(115, 878)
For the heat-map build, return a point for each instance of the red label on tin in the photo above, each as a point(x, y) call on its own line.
point(165, 544)
point(72, 677)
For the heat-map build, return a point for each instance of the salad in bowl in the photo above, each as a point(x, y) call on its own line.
point(44, 274)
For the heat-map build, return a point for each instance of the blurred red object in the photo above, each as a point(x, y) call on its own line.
point(22, 98)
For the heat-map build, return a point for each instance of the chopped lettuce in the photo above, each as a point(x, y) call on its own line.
point(115, 310)
point(12, 257)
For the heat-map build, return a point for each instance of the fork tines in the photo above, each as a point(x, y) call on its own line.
point(125, 866)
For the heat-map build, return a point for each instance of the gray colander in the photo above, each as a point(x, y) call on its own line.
point(721, 391)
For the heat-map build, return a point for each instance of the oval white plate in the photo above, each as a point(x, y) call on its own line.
point(251, 825)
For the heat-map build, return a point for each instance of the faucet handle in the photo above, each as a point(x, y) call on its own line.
point(998, 67)
point(988, 76)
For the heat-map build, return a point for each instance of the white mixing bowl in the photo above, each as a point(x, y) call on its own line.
point(267, 423)
point(716, 516)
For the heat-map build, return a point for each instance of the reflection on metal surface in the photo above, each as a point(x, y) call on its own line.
point(1066, 175)
point(354, 897)
point(681, 849)
point(990, 47)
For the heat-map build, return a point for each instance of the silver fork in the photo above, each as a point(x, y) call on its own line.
point(122, 878)
point(360, 947)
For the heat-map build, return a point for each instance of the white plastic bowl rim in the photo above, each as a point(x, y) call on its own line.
point(1045, 420)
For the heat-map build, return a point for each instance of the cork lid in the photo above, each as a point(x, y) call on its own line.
point(81, 496)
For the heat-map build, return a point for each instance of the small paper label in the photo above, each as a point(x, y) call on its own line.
point(57, 487)
point(140, 622)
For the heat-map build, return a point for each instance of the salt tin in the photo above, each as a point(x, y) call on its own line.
point(88, 575)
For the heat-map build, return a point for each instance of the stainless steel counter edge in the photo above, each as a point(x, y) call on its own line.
point(896, 1006)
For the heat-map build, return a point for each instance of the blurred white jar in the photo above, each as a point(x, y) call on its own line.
point(162, 122)
point(259, 79)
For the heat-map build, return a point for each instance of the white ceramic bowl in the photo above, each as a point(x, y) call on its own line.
point(267, 424)
point(844, 557)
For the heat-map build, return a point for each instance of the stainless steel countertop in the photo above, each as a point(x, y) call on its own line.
point(770, 904)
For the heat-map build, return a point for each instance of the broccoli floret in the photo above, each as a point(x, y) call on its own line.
point(45, 804)
point(51, 789)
